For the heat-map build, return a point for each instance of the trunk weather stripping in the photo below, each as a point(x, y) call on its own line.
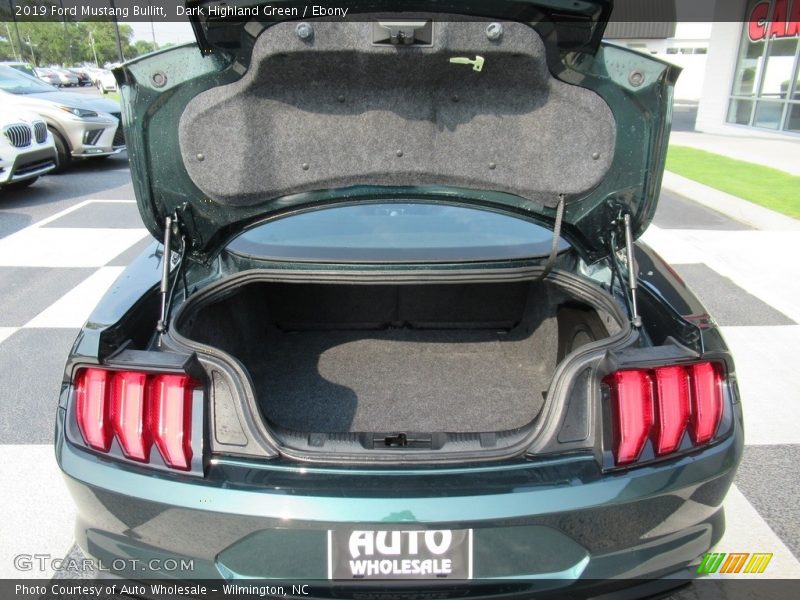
point(373, 448)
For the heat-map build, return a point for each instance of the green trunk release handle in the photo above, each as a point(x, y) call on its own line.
point(477, 62)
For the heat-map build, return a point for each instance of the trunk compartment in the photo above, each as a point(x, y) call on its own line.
point(392, 358)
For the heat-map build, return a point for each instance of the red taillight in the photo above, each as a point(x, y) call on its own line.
point(633, 413)
point(660, 404)
point(129, 414)
point(91, 408)
point(171, 419)
point(140, 410)
point(672, 413)
point(706, 401)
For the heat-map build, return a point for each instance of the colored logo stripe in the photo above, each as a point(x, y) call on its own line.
point(758, 563)
point(734, 562)
point(711, 562)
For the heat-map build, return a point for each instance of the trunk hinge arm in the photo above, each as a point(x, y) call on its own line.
point(551, 259)
point(633, 280)
point(172, 227)
point(623, 222)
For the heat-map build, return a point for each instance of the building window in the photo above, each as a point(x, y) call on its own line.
point(793, 123)
point(679, 50)
point(766, 90)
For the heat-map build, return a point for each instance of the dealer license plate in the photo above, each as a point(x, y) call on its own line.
point(399, 554)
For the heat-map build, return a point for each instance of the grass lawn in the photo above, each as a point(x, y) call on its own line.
point(768, 187)
point(112, 96)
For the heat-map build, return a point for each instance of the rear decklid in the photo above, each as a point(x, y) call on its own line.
point(273, 117)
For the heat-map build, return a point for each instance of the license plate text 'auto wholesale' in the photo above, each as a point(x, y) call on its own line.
point(400, 554)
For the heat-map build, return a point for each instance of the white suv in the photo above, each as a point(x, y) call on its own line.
point(27, 148)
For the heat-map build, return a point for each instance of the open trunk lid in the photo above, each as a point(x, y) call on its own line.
point(282, 119)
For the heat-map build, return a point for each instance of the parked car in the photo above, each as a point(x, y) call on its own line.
point(400, 325)
point(23, 67)
point(83, 77)
point(66, 77)
point(27, 150)
point(82, 126)
point(48, 76)
point(103, 80)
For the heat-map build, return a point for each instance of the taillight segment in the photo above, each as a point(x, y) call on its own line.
point(633, 413)
point(171, 419)
point(660, 405)
point(672, 398)
point(139, 409)
point(706, 401)
point(91, 408)
point(129, 414)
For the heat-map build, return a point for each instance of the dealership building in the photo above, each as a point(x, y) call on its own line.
point(744, 74)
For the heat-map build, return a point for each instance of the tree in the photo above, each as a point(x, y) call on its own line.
point(51, 43)
point(105, 44)
point(42, 43)
point(143, 47)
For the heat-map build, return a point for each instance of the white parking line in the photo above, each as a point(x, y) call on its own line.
point(6, 332)
point(74, 307)
point(746, 531)
point(66, 247)
point(768, 381)
point(113, 201)
point(764, 263)
point(670, 248)
point(73, 208)
point(57, 215)
point(38, 512)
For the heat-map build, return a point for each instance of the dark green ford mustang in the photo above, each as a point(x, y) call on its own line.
point(367, 362)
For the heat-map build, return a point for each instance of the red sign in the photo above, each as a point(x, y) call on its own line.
point(783, 22)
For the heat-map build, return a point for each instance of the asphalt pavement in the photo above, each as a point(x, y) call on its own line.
point(64, 240)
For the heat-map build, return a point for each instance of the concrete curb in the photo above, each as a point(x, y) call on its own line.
point(731, 206)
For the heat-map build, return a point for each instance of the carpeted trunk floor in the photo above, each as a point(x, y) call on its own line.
point(396, 380)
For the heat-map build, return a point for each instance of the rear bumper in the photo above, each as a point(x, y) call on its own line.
point(543, 525)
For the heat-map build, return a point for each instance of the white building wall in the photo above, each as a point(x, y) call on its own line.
point(723, 52)
point(708, 78)
point(718, 80)
point(687, 35)
point(690, 84)
point(700, 30)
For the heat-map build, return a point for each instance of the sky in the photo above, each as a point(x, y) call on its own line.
point(164, 32)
